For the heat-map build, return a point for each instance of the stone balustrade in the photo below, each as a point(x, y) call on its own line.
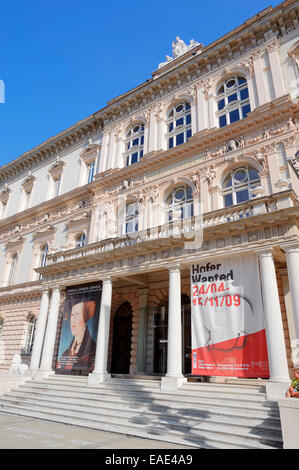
point(182, 228)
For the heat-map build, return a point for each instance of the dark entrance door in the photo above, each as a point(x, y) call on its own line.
point(121, 348)
point(161, 333)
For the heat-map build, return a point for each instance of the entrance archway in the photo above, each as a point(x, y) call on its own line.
point(121, 346)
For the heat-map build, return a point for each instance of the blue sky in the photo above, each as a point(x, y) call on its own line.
point(63, 60)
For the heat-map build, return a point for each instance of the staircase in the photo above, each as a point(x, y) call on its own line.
point(200, 415)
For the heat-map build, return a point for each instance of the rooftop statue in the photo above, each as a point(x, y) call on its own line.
point(179, 47)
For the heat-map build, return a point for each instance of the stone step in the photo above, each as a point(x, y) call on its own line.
point(146, 393)
point(198, 414)
point(142, 395)
point(190, 415)
point(170, 404)
point(204, 435)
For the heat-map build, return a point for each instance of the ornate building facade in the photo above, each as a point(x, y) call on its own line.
point(197, 162)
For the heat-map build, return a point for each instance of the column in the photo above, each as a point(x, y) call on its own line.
point(279, 374)
point(174, 376)
point(50, 337)
point(104, 153)
point(259, 78)
point(39, 332)
point(277, 78)
point(141, 335)
point(100, 373)
point(201, 110)
point(292, 254)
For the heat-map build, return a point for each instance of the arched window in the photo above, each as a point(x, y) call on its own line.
point(179, 124)
point(43, 256)
point(179, 203)
point(134, 144)
point(232, 100)
point(129, 218)
point(28, 343)
point(12, 268)
point(80, 240)
point(238, 185)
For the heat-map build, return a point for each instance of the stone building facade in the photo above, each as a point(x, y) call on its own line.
point(205, 153)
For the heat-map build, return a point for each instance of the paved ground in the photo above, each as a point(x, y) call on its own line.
point(20, 432)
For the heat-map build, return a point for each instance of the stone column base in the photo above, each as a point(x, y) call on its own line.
point(171, 384)
point(289, 416)
point(276, 390)
point(96, 378)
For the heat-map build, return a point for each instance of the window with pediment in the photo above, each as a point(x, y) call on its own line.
point(233, 101)
point(179, 124)
point(134, 143)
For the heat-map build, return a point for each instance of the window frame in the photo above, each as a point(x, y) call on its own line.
point(232, 106)
point(126, 218)
point(29, 336)
point(131, 148)
point(236, 187)
point(176, 204)
point(183, 129)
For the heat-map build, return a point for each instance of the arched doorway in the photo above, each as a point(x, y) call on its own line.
point(121, 346)
point(161, 334)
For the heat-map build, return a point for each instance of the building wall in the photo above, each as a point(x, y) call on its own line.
point(271, 74)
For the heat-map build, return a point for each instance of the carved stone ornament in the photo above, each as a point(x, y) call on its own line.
point(90, 152)
point(56, 169)
point(179, 48)
point(78, 219)
point(15, 241)
point(4, 193)
point(28, 182)
point(43, 231)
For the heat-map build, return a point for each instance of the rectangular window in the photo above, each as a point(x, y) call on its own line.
point(234, 116)
point(27, 197)
point(56, 186)
point(135, 142)
point(232, 97)
point(134, 158)
point(179, 122)
point(222, 121)
point(244, 94)
point(228, 200)
point(171, 142)
point(221, 104)
point(245, 110)
point(188, 119)
point(180, 139)
point(189, 133)
point(242, 196)
point(170, 127)
point(90, 169)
